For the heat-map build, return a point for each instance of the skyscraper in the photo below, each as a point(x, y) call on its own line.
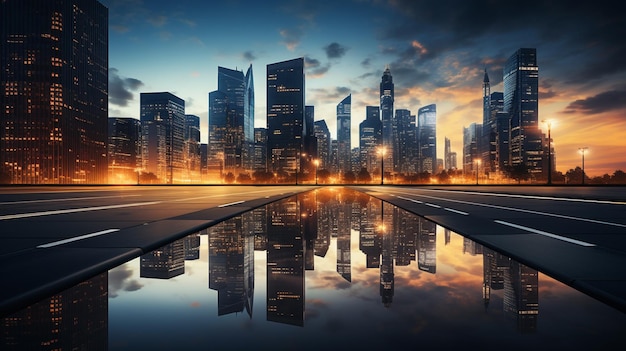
point(163, 135)
point(231, 121)
point(285, 115)
point(406, 152)
point(370, 139)
point(192, 164)
point(53, 91)
point(521, 103)
point(427, 138)
point(386, 113)
point(124, 149)
point(343, 134)
point(323, 139)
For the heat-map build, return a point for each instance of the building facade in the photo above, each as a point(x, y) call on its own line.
point(370, 139)
point(53, 92)
point(427, 138)
point(285, 115)
point(386, 114)
point(344, 134)
point(124, 149)
point(163, 136)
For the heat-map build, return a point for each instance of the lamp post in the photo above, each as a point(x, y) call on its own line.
point(549, 123)
point(477, 166)
point(582, 151)
point(317, 163)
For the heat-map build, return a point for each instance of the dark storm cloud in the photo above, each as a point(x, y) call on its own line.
point(120, 89)
point(607, 101)
point(314, 67)
point(335, 50)
point(119, 279)
point(589, 34)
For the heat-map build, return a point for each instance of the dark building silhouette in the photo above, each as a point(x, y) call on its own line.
point(285, 264)
point(260, 149)
point(75, 319)
point(406, 150)
point(53, 91)
point(124, 149)
point(191, 152)
point(285, 115)
point(344, 128)
point(386, 114)
point(163, 135)
point(323, 140)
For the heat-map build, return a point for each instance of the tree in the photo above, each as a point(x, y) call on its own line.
point(619, 177)
point(518, 172)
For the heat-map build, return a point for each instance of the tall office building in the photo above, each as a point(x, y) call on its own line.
point(447, 155)
point(370, 139)
point(285, 115)
point(53, 91)
point(386, 114)
point(163, 135)
point(309, 141)
point(343, 134)
point(323, 139)
point(521, 103)
point(405, 146)
point(471, 154)
point(192, 165)
point(260, 149)
point(124, 149)
point(231, 121)
point(427, 138)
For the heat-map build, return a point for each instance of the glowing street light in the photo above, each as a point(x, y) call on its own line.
point(582, 152)
point(317, 163)
point(382, 152)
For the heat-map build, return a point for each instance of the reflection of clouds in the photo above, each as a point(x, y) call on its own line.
point(118, 280)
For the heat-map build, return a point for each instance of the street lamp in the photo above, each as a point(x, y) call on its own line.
point(477, 166)
point(382, 151)
point(549, 123)
point(582, 151)
point(317, 163)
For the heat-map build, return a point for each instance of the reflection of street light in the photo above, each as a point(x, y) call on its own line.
point(317, 163)
point(382, 151)
point(582, 151)
point(477, 166)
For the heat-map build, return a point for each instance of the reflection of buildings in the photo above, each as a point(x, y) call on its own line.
point(427, 246)
point(386, 265)
point(370, 233)
point(76, 319)
point(344, 214)
point(231, 265)
point(165, 262)
point(308, 216)
point(192, 247)
point(521, 296)
point(285, 264)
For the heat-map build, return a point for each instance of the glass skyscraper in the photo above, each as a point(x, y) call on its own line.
point(521, 103)
point(163, 135)
point(343, 134)
point(427, 138)
point(285, 115)
point(53, 91)
point(370, 139)
point(231, 122)
point(386, 114)
point(124, 149)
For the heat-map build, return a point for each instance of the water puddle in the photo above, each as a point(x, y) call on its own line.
point(330, 268)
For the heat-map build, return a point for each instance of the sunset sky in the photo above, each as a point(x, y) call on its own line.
point(437, 52)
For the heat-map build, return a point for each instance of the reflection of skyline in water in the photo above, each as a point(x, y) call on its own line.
point(293, 234)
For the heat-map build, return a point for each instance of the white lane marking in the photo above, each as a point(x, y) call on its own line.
point(73, 210)
point(231, 204)
point(65, 199)
point(409, 199)
point(456, 211)
point(76, 238)
point(536, 197)
point(432, 205)
point(526, 211)
point(536, 231)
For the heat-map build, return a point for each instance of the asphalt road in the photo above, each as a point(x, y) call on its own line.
point(52, 238)
point(55, 237)
point(577, 235)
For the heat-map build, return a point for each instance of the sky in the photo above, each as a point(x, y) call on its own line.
point(437, 52)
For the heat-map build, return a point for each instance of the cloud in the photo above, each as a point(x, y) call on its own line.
point(335, 50)
point(119, 279)
point(314, 68)
point(603, 102)
point(249, 56)
point(120, 89)
point(291, 38)
point(157, 21)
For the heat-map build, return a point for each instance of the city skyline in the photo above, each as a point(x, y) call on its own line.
point(437, 55)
